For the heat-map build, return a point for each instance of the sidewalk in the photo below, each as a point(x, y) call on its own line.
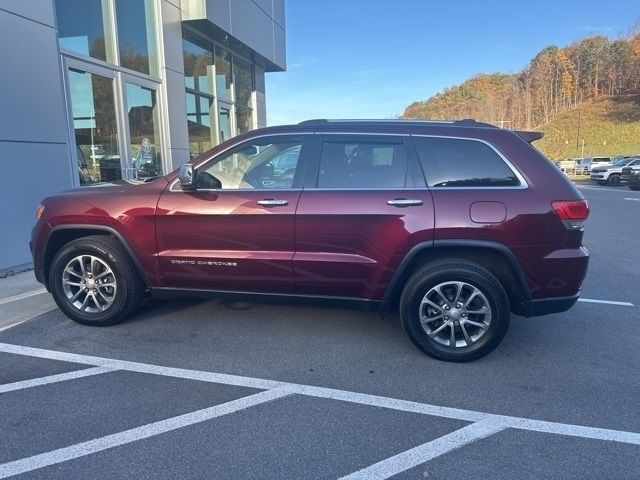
point(22, 298)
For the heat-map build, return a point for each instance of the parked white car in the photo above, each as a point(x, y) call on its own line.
point(610, 174)
point(584, 165)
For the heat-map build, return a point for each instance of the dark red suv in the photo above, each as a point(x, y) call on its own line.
point(457, 224)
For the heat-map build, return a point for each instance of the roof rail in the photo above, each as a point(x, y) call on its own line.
point(470, 122)
point(467, 122)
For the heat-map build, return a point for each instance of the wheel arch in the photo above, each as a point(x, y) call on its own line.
point(494, 256)
point(60, 235)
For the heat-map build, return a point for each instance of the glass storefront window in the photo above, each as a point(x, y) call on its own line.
point(224, 77)
point(135, 22)
point(144, 138)
point(83, 27)
point(95, 127)
point(198, 65)
point(224, 124)
point(244, 119)
point(199, 123)
point(243, 84)
point(243, 78)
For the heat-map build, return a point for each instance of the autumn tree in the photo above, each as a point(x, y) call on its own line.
point(556, 79)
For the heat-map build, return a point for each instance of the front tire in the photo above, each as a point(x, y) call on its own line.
point(614, 180)
point(455, 310)
point(94, 282)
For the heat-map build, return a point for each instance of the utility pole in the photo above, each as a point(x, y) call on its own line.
point(582, 148)
point(579, 122)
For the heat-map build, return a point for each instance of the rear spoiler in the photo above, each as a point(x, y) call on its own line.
point(529, 136)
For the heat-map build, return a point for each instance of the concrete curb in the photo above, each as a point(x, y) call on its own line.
point(10, 272)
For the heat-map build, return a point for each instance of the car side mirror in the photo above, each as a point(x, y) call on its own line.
point(186, 177)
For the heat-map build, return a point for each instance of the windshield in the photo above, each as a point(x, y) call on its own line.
point(619, 162)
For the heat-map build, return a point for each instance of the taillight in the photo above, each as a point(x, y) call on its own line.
point(573, 213)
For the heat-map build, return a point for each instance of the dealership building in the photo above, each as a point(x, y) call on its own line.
point(102, 90)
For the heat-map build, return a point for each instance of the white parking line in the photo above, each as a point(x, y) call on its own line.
point(428, 451)
point(633, 199)
point(471, 415)
point(121, 438)
point(11, 325)
point(329, 393)
point(61, 377)
point(225, 379)
point(22, 296)
point(608, 302)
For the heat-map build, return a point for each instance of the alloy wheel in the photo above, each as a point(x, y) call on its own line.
point(89, 284)
point(455, 314)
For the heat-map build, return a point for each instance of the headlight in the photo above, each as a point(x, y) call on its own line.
point(39, 211)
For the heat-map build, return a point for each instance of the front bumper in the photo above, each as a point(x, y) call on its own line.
point(37, 244)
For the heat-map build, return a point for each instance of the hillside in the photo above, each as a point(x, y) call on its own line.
point(609, 126)
point(594, 82)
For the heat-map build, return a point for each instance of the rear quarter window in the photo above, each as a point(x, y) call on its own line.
point(455, 162)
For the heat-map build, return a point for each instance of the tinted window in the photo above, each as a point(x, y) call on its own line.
point(95, 128)
point(450, 162)
point(223, 73)
point(243, 87)
point(81, 27)
point(265, 163)
point(136, 33)
point(353, 163)
point(144, 137)
point(198, 67)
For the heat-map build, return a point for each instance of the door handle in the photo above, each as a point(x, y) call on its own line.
point(272, 202)
point(404, 202)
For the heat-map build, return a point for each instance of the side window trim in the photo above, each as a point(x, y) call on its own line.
point(415, 175)
point(523, 183)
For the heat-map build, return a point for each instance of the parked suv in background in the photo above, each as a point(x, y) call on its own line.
point(456, 224)
point(585, 165)
point(611, 173)
point(631, 176)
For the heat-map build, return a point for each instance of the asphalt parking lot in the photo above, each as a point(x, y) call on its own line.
point(196, 389)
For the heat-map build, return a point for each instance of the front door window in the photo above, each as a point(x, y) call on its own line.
point(262, 164)
point(95, 127)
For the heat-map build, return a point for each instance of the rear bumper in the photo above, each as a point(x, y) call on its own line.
point(546, 306)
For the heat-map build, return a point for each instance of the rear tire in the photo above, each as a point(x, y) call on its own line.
point(94, 282)
point(443, 299)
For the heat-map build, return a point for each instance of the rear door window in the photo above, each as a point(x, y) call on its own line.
point(355, 162)
point(456, 162)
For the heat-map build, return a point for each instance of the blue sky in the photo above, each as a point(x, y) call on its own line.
point(372, 58)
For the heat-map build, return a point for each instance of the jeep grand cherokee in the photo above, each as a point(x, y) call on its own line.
point(456, 224)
